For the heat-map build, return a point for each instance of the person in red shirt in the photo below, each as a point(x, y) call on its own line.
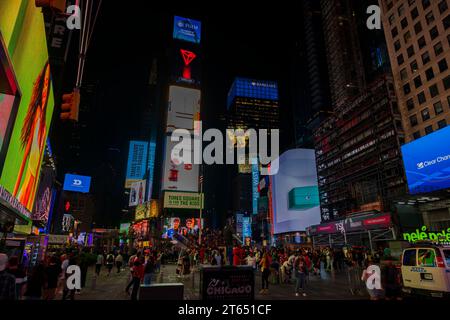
point(138, 276)
point(236, 255)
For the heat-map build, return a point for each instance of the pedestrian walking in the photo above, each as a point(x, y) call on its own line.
point(17, 271)
point(300, 270)
point(98, 264)
point(36, 283)
point(138, 276)
point(265, 270)
point(149, 269)
point(7, 281)
point(119, 262)
point(52, 274)
point(109, 262)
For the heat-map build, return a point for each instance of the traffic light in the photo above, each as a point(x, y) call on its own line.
point(70, 106)
point(59, 5)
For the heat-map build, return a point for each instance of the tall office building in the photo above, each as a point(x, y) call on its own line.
point(418, 37)
point(358, 147)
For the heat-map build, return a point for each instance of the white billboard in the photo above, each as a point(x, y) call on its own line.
point(183, 108)
point(137, 193)
point(179, 176)
point(295, 192)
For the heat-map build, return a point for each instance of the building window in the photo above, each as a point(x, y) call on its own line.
point(410, 104)
point(443, 6)
point(434, 33)
point(401, 10)
point(448, 101)
point(438, 49)
point(407, 36)
point(442, 124)
point(446, 22)
point(414, 66)
point(438, 109)
point(403, 74)
point(425, 58)
point(397, 45)
point(413, 120)
point(425, 4)
point(429, 17)
point(430, 74)
point(400, 59)
point(404, 23)
point(416, 135)
point(425, 114)
point(410, 51)
point(418, 28)
point(422, 43)
point(446, 82)
point(443, 65)
point(414, 13)
point(421, 98)
point(434, 91)
point(406, 89)
point(411, 2)
point(394, 32)
point(429, 129)
point(417, 82)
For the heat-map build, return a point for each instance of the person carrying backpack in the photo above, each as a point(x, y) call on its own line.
point(109, 262)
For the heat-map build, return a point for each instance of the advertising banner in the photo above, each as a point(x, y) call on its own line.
point(77, 183)
point(179, 176)
point(239, 223)
point(137, 162)
point(183, 108)
point(427, 162)
point(227, 283)
point(137, 193)
point(187, 29)
point(183, 200)
point(44, 195)
point(246, 228)
point(124, 227)
point(27, 48)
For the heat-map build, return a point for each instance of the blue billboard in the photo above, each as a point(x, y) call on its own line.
point(427, 162)
point(77, 183)
point(187, 29)
point(246, 228)
point(252, 88)
point(137, 162)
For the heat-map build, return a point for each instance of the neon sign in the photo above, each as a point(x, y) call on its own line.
point(188, 57)
point(441, 237)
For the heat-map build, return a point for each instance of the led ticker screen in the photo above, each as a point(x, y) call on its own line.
point(427, 162)
point(250, 88)
point(137, 162)
point(187, 29)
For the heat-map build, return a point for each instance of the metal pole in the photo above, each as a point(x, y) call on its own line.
point(370, 241)
point(394, 236)
point(201, 207)
point(329, 239)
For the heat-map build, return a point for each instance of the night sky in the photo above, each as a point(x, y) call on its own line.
point(237, 41)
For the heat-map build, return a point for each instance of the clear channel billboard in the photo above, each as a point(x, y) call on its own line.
point(187, 29)
point(427, 162)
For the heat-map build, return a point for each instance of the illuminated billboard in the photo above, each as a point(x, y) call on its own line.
point(27, 48)
point(183, 108)
point(77, 183)
point(187, 29)
point(137, 193)
point(44, 195)
point(427, 162)
point(179, 176)
point(183, 200)
point(137, 162)
point(251, 88)
point(295, 211)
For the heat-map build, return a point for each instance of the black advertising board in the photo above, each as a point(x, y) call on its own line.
point(227, 283)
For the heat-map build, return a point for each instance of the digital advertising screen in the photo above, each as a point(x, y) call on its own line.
point(179, 176)
point(27, 48)
point(44, 195)
point(427, 162)
point(183, 108)
point(297, 171)
point(137, 162)
point(137, 193)
point(187, 29)
point(77, 183)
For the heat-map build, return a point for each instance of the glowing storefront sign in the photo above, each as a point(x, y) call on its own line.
point(422, 234)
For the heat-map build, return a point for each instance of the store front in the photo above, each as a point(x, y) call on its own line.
point(370, 230)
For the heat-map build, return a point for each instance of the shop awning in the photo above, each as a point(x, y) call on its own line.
point(10, 206)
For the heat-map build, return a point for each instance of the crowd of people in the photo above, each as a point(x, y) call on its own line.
point(275, 266)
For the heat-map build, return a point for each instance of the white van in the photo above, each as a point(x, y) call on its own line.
point(426, 270)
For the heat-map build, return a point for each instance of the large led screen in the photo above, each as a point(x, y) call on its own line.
point(297, 171)
point(24, 36)
point(137, 162)
point(427, 162)
point(77, 183)
point(187, 29)
point(184, 108)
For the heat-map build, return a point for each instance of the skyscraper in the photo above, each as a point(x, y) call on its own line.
point(418, 36)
